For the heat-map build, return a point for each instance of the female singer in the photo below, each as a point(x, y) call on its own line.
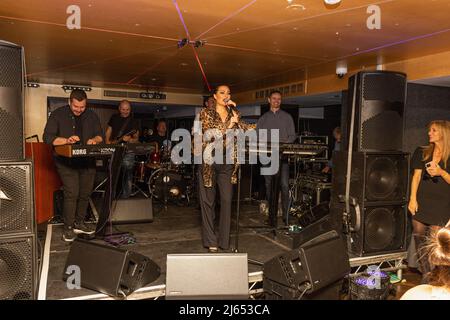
point(221, 117)
point(430, 186)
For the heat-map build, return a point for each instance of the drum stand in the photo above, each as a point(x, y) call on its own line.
point(137, 190)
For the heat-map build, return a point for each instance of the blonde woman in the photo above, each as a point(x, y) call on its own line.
point(429, 201)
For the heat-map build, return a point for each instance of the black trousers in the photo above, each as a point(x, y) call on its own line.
point(222, 180)
point(78, 182)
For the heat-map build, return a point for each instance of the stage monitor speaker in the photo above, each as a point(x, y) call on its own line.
point(314, 229)
point(207, 276)
point(316, 264)
point(378, 197)
point(379, 111)
point(132, 210)
point(110, 270)
point(11, 102)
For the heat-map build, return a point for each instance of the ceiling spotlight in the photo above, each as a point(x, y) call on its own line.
point(71, 88)
point(332, 2)
point(182, 43)
point(198, 43)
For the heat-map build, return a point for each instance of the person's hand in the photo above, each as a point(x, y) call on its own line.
point(413, 206)
point(433, 169)
point(234, 120)
point(91, 141)
point(231, 103)
point(126, 138)
point(73, 139)
point(326, 169)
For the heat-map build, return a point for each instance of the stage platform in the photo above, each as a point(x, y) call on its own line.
point(178, 230)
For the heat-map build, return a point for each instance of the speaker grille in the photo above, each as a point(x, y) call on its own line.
point(11, 103)
point(381, 126)
point(11, 135)
point(386, 177)
point(16, 268)
point(387, 86)
point(10, 63)
point(379, 228)
point(16, 214)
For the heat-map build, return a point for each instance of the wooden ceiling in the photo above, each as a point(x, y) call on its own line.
point(133, 43)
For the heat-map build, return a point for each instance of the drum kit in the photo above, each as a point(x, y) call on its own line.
point(165, 181)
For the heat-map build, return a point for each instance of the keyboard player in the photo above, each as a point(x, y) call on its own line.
point(74, 124)
point(279, 119)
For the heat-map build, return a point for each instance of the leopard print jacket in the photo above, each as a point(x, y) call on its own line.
point(210, 119)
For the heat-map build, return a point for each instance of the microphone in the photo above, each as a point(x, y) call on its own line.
point(231, 108)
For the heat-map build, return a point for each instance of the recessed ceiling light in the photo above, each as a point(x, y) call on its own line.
point(137, 24)
point(295, 28)
point(295, 6)
point(337, 33)
point(183, 64)
point(153, 79)
point(332, 1)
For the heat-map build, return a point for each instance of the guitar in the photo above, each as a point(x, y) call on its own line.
point(120, 138)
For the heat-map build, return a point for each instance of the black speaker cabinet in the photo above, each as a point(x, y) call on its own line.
point(379, 98)
point(378, 198)
point(207, 276)
point(132, 210)
point(314, 265)
point(18, 270)
point(11, 102)
point(110, 270)
point(16, 198)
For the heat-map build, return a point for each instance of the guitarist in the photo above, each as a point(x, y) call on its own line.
point(123, 128)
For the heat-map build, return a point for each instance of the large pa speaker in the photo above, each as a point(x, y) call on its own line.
point(378, 98)
point(16, 198)
point(313, 266)
point(378, 197)
point(11, 102)
point(18, 258)
point(207, 276)
point(18, 269)
point(109, 270)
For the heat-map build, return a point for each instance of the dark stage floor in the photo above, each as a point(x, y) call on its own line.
point(177, 230)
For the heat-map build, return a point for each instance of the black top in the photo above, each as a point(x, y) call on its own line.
point(278, 120)
point(433, 195)
point(118, 126)
point(63, 123)
point(159, 139)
